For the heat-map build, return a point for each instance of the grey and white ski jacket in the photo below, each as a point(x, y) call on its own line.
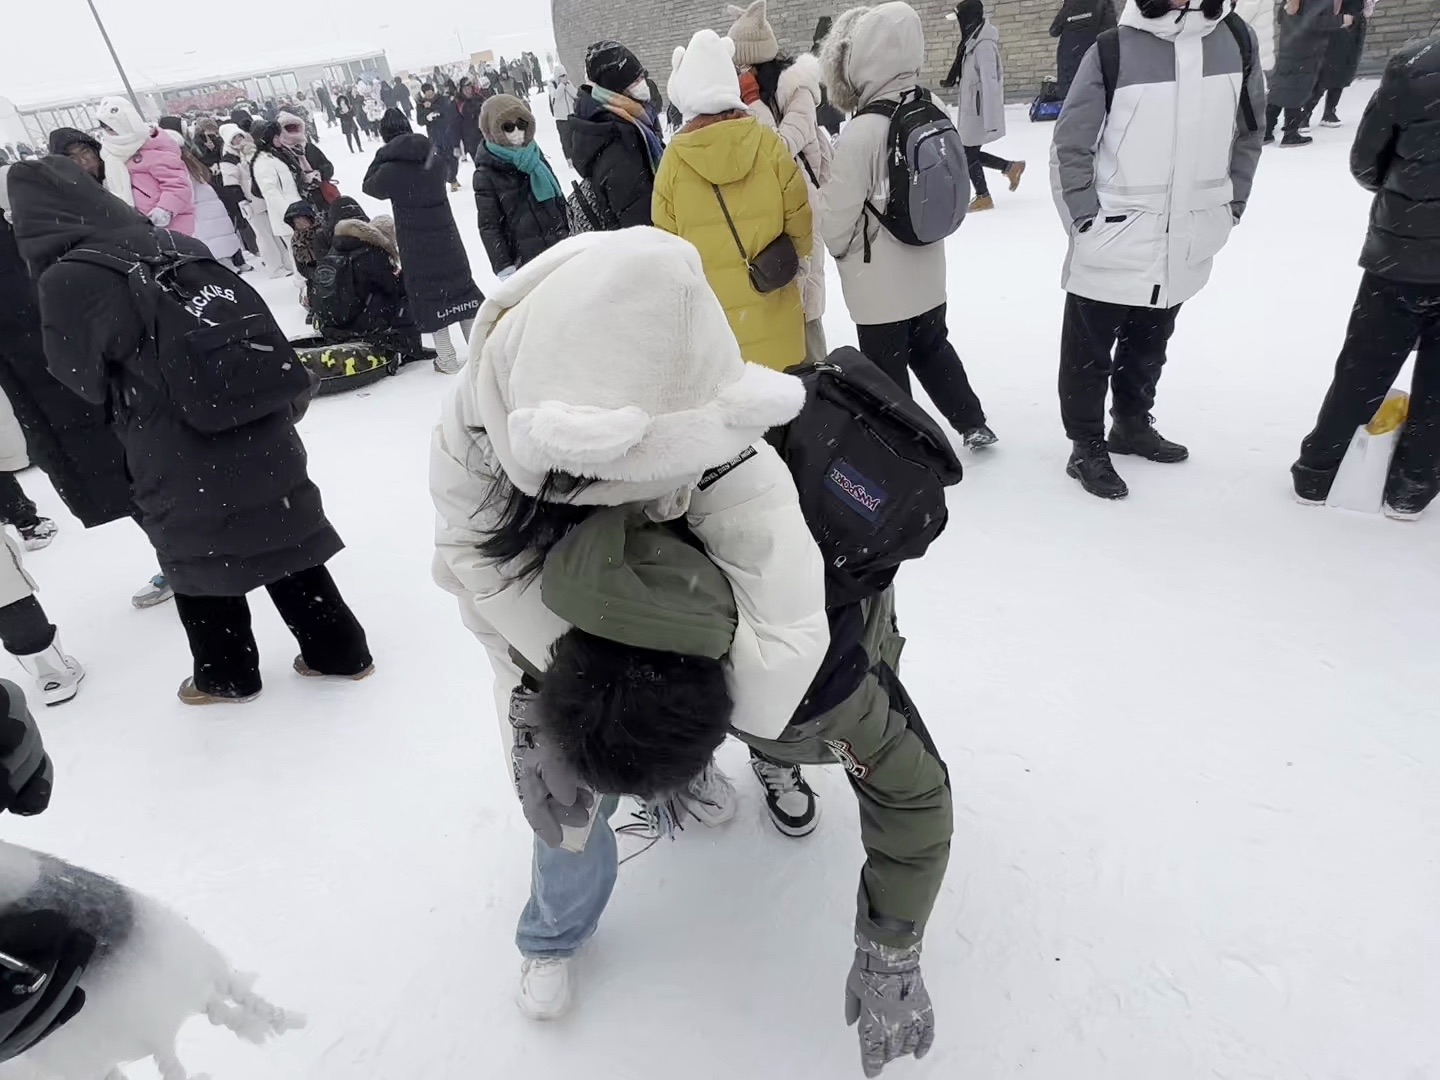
point(1157, 183)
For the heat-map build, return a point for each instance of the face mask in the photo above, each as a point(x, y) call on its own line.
point(515, 138)
point(640, 91)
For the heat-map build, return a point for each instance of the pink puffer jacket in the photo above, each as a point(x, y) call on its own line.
point(158, 177)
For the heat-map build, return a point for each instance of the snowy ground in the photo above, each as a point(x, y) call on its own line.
point(1192, 738)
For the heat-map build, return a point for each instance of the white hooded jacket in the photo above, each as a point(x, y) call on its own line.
point(545, 390)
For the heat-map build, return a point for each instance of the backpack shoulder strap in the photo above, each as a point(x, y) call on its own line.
point(805, 164)
point(1241, 30)
point(887, 109)
point(1108, 44)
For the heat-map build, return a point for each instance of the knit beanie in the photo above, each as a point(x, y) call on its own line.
point(754, 39)
point(619, 576)
point(610, 65)
point(393, 124)
point(61, 139)
point(502, 109)
point(171, 123)
point(703, 81)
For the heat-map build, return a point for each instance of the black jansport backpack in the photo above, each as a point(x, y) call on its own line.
point(334, 298)
point(929, 182)
point(871, 467)
point(216, 351)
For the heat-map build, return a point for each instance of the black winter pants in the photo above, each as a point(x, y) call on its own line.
point(1390, 319)
point(24, 628)
point(1093, 329)
point(1332, 102)
point(332, 641)
point(922, 345)
point(16, 508)
point(352, 139)
point(1292, 120)
point(977, 161)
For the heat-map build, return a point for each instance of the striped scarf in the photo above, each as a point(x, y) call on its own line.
point(627, 108)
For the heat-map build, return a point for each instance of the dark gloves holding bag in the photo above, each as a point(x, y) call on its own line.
point(26, 775)
point(41, 960)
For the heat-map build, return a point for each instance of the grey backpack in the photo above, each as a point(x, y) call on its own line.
point(929, 184)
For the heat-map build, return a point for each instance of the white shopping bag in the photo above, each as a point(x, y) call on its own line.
point(1360, 483)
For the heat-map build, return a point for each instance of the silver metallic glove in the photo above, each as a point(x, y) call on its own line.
point(552, 795)
point(886, 994)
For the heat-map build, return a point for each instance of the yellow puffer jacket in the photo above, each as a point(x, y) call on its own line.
point(765, 191)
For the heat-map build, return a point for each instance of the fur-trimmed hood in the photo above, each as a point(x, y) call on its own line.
point(871, 53)
point(804, 76)
point(366, 233)
point(641, 390)
point(505, 109)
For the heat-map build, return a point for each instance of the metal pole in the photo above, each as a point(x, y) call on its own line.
point(129, 91)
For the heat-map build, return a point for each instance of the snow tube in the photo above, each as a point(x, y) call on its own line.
point(346, 366)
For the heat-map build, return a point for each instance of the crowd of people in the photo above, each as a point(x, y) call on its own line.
point(637, 551)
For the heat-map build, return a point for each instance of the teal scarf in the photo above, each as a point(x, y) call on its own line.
point(530, 161)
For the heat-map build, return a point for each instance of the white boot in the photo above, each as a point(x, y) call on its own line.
point(57, 675)
point(544, 992)
point(710, 798)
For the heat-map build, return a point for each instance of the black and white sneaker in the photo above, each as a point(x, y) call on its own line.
point(790, 800)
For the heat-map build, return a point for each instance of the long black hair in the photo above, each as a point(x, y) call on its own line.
point(768, 76)
point(526, 527)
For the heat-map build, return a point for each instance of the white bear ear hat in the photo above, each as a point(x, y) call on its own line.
point(703, 80)
point(609, 357)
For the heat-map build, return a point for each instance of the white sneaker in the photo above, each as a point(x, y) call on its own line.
point(156, 591)
point(710, 798)
point(57, 675)
point(544, 992)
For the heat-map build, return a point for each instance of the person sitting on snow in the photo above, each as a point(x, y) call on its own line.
point(369, 302)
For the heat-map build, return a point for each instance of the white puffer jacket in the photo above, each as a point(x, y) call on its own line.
point(13, 451)
point(1150, 190)
point(212, 223)
point(1260, 14)
point(277, 186)
point(748, 519)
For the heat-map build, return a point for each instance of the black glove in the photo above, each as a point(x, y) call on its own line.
point(26, 775)
point(41, 960)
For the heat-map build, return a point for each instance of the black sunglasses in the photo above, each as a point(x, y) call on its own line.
point(515, 125)
point(294, 127)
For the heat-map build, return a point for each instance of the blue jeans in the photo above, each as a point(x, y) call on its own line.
point(568, 892)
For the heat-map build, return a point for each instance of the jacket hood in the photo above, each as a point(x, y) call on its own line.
point(365, 232)
point(123, 130)
point(722, 151)
point(873, 53)
point(1171, 25)
point(502, 109)
point(55, 205)
point(641, 390)
point(64, 137)
point(703, 81)
point(412, 147)
point(804, 76)
point(987, 31)
point(228, 132)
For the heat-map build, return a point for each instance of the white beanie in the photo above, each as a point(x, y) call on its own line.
point(703, 81)
point(577, 368)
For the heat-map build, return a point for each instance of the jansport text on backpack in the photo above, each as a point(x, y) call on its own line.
point(214, 349)
point(1108, 46)
point(871, 467)
point(928, 181)
point(334, 299)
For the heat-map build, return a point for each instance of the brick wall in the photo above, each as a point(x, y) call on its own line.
point(652, 28)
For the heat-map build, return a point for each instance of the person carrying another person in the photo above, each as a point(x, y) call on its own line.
point(1148, 191)
point(518, 201)
point(143, 167)
point(980, 73)
point(1396, 155)
point(730, 187)
point(615, 135)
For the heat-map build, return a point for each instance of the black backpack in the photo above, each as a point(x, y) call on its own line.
point(212, 346)
point(871, 467)
point(334, 297)
point(928, 181)
point(1108, 42)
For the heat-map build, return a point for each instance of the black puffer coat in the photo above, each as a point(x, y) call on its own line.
point(1343, 51)
point(1077, 24)
point(610, 152)
point(1300, 45)
point(227, 512)
point(513, 224)
point(384, 314)
point(469, 108)
point(68, 437)
point(437, 270)
point(1397, 156)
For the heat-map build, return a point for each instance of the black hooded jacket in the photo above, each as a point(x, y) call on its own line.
point(610, 152)
point(1077, 24)
point(437, 270)
point(1397, 155)
point(514, 225)
point(227, 512)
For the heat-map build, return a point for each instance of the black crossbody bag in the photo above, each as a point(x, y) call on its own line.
point(775, 266)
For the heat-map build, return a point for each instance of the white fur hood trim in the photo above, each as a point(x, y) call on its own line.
point(802, 75)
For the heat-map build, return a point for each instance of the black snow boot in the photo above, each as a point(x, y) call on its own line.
point(1294, 138)
point(1137, 435)
point(1090, 464)
point(1406, 497)
point(1312, 486)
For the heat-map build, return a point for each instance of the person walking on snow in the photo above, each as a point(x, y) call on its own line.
point(981, 75)
point(407, 171)
point(1303, 29)
point(1342, 62)
point(1148, 200)
point(518, 202)
point(1397, 309)
point(143, 167)
point(349, 123)
point(786, 94)
point(895, 291)
point(730, 187)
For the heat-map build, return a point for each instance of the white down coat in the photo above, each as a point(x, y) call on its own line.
point(14, 455)
point(748, 519)
point(1162, 177)
point(277, 186)
point(1260, 14)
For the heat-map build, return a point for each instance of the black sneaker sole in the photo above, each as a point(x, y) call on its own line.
point(1129, 451)
point(1073, 472)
